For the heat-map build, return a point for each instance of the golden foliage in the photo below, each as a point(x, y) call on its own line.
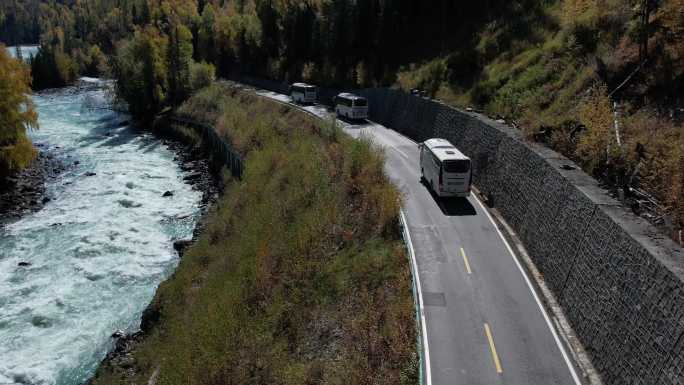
point(596, 114)
point(17, 114)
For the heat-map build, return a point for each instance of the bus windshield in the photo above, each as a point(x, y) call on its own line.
point(457, 166)
point(303, 89)
point(360, 103)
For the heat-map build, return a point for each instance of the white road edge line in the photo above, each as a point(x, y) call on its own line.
point(554, 333)
point(534, 294)
point(426, 350)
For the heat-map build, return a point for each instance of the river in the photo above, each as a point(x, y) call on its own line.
point(97, 251)
point(27, 51)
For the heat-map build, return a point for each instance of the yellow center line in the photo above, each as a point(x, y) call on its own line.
point(495, 356)
point(465, 260)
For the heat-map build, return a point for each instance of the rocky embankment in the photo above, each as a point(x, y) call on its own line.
point(194, 162)
point(25, 192)
point(198, 172)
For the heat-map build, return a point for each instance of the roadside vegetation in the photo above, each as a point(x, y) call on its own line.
point(17, 115)
point(562, 70)
point(300, 275)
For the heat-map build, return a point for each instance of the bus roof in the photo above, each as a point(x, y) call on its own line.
point(304, 85)
point(444, 150)
point(347, 95)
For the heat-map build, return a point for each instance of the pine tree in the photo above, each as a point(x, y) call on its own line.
point(205, 38)
point(179, 58)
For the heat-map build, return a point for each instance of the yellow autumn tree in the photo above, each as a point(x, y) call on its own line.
point(596, 115)
point(17, 114)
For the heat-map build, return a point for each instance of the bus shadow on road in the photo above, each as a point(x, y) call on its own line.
point(451, 207)
point(455, 207)
point(354, 123)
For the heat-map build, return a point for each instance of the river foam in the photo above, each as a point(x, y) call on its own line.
point(97, 251)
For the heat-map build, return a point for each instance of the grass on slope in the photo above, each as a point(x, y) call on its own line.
point(300, 275)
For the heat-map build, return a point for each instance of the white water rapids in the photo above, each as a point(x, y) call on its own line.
point(97, 251)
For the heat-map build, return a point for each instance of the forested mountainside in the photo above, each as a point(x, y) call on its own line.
point(356, 43)
point(560, 70)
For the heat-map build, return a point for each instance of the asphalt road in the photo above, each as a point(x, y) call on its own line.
point(484, 322)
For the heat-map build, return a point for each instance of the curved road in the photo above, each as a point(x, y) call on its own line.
point(484, 321)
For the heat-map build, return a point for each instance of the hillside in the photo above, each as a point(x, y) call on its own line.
point(600, 82)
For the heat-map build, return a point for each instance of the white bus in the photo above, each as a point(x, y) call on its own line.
point(445, 169)
point(303, 93)
point(351, 106)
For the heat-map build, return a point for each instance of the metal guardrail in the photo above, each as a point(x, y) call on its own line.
point(217, 145)
point(424, 374)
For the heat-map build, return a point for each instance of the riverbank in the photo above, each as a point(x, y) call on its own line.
point(24, 193)
point(89, 261)
point(199, 171)
point(300, 274)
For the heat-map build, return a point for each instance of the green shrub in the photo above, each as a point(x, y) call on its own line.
point(201, 75)
point(428, 77)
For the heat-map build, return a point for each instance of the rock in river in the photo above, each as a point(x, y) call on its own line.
point(181, 245)
point(118, 334)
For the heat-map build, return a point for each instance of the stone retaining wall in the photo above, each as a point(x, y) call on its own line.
point(620, 282)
